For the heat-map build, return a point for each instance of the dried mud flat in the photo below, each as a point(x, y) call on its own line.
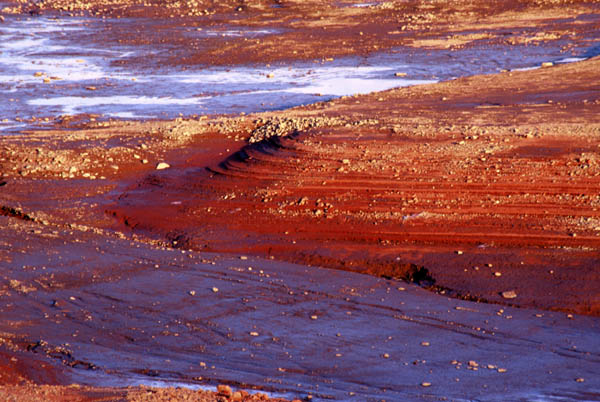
point(484, 188)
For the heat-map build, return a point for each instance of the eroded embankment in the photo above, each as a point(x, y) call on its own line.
point(490, 182)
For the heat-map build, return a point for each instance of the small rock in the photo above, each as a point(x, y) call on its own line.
point(224, 390)
point(426, 384)
point(497, 273)
point(473, 363)
point(400, 74)
point(386, 356)
point(162, 165)
point(547, 64)
point(237, 396)
point(509, 294)
point(253, 333)
point(215, 289)
point(270, 75)
point(425, 344)
point(313, 317)
point(192, 293)
point(579, 379)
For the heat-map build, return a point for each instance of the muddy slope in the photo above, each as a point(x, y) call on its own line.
point(490, 183)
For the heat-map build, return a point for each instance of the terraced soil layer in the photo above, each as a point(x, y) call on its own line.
point(490, 183)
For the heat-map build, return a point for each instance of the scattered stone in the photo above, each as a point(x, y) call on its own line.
point(386, 356)
point(509, 294)
point(162, 165)
point(192, 293)
point(473, 363)
point(215, 289)
point(497, 273)
point(224, 390)
point(579, 379)
point(426, 384)
point(425, 343)
point(313, 317)
point(253, 333)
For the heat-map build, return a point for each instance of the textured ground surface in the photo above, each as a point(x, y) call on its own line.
point(484, 188)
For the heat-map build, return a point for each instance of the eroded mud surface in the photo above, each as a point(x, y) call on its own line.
point(119, 312)
point(198, 251)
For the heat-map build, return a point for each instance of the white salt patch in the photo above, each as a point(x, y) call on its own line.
point(352, 86)
point(71, 104)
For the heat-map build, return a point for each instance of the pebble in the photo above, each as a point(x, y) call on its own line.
point(425, 344)
point(509, 294)
point(162, 165)
point(224, 390)
point(497, 273)
point(579, 379)
point(215, 289)
point(253, 333)
point(426, 384)
point(547, 64)
point(400, 74)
